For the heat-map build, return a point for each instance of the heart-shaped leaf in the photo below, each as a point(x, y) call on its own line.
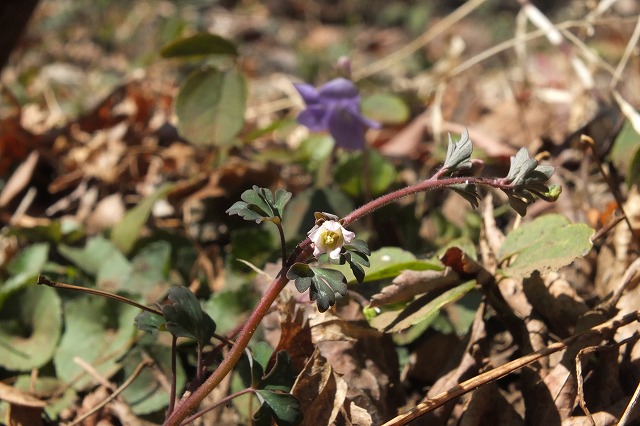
point(198, 45)
point(185, 317)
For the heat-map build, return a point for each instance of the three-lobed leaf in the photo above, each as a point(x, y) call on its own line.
point(323, 283)
point(260, 204)
point(459, 154)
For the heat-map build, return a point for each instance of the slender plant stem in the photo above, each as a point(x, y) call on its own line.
point(301, 254)
point(426, 185)
point(174, 373)
point(42, 280)
point(191, 402)
point(200, 364)
point(282, 244)
point(223, 401)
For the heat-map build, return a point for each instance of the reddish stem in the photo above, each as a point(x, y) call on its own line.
point(191, 402)
point(302, 252)
point(429, 184)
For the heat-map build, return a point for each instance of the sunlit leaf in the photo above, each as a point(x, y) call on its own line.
point(350, 172)
point(459, 153)
point(24, 269)
point(385, 108)
point(198, 45)
point(284, 408)
point(30, 326)
point(210, 106)
point(545, 244)
point(97, 330)
point(125, 234)
point(423, 309)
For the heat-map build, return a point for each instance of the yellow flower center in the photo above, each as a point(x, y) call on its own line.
point(330, 238)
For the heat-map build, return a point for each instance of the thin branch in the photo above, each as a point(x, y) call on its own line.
point(223, 401)
point(283, 247)
point(415, 45)
point(499, 372)
point(42, 280)
point(115, 393)
point(191, 402)
point(174, 373)
point(427, 185)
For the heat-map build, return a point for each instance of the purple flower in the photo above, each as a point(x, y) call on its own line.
point(335, 107)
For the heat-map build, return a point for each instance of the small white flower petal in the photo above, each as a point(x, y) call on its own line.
point(335, 254)
point(348, 235)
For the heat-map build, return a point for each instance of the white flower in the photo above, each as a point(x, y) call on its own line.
point(329, 238)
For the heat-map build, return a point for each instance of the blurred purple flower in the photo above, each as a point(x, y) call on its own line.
point(335, 107)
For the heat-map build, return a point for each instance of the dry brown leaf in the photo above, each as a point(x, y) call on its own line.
point(320, 390)
point(406, 143)
point(19, 179)
point(555, 300)
point(489, 407)
point(295, 334)
point(364, 357)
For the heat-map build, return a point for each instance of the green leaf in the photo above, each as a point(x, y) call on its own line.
point(147, 393)
point(633, 176)
point(198, 45)
point(125, 234)
point(185, 317)
point(24, 269)
point(258, 200)
point(299, 270)
point(459, 154)
point(348, 172)
point(322, 283)
point(210, 106)
point(147, 321)
point(228, 308)
point(324, 286)
point(46, 386)
point(359, 246)
point(521, 166)
point(282, 198)
point(97, 330)
point(281, 377)
point(92, 256)
point(259, 204)
point(385, 108)
point(424, 309)
point(30, 326)
point(546, 244)
point(302, 274)
point(626, 149)
point(284, 408)
point(387, 263)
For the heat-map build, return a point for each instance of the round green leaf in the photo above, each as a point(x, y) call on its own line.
point(146, 394)
point(97, 330)
point(24, 268)
point(211, 105)
point(349, 173)
point(545, 244)
point(30, 326)
point(199, 44)
point(385, 108)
